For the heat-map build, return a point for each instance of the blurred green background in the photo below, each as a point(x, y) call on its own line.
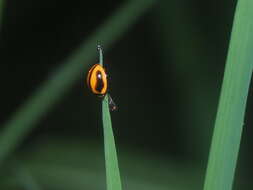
point(165, 71)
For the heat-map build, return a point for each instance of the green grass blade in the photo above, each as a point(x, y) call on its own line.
point(111, 162)
point(231, 109)
point(45, 97)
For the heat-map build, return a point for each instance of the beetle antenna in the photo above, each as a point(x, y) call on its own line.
point(100, 55)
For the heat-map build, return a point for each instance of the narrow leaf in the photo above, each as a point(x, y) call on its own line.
point(232, 103)
point(111, 162)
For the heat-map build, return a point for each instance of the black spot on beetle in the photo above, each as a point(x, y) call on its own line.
point(100, 83)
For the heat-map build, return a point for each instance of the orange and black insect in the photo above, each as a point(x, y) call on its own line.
point(97, 81)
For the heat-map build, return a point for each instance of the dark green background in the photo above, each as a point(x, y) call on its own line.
point(165, 75)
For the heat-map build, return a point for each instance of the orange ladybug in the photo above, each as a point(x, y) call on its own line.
point(97, 81)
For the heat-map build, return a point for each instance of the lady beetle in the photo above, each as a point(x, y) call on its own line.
point(97, 81)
